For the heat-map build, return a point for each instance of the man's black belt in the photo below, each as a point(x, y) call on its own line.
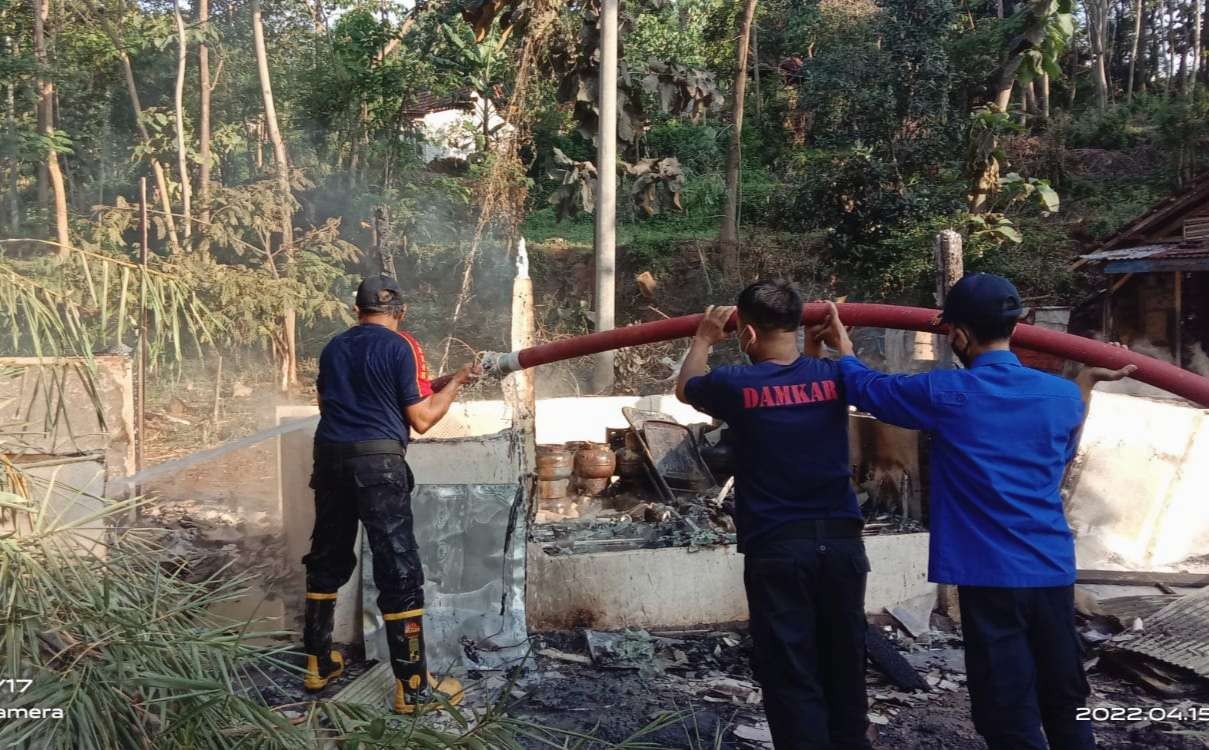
point(362, 448)
point(821, 528)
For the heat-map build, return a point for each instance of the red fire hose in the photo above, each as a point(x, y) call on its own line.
point(1088, 351)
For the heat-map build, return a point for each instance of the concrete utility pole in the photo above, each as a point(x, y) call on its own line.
point(606, 194)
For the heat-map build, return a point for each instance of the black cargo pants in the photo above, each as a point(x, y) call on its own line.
point(374, 489)
point(1024, 667)
point(807, 603)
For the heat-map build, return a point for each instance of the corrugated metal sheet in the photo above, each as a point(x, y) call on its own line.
point(1178, 635)
point(1186, 251)
point(1127, 253)
point(1190, 250)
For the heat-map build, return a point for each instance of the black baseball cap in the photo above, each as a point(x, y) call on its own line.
point(379, 293)
point(982, 298)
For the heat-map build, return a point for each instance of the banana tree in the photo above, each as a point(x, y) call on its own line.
point(484, 63)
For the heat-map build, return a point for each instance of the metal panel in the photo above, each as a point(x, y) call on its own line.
point(1178, 635)
point(472, 544)
point(1127, 253)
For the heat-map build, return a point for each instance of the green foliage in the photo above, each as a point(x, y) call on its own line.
point(125, 647)
point(701, 148)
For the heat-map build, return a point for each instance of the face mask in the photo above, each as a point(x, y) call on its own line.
point(742, 346)
point(963, 355)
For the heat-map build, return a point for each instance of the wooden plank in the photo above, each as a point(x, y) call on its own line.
point(1157, 265)
point(1142, 578)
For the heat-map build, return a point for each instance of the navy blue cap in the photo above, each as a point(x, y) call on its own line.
point(378, 293)
point(982, 298)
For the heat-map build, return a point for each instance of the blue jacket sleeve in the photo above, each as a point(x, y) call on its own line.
point(903, 400)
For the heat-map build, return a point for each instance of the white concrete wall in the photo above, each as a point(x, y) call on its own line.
point(560, 420)
point(1138, 497)
point(675, 588)
point(24, 405)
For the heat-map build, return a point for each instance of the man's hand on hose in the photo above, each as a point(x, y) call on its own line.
point(464, 375)
point(712, 327)
point(425, 414)
point(710, 331)
point(832, 332)
point(1089, 376)
point(468, 373)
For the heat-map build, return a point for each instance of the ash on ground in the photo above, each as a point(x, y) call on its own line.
point(700, 684)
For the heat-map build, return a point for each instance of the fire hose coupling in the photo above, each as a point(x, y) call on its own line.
point(499, 364)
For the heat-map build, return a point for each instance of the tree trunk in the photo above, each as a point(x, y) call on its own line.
point(1097, 31)
point(43, 108)
point(1195, 64)
point(46, 95)
point(1133, 53)
point(290, 369)
point(157, 169)
point(729, 236)
point(1005, 81)
point(755, 63)
point(1045, 107)
point(1169, 56)
point(182, 160)
point(203, 71)
point(14, 171)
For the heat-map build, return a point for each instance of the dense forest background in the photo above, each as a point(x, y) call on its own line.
point(283, 157)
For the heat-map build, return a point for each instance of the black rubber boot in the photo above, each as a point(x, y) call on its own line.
point(414, 686)
point(323, 664)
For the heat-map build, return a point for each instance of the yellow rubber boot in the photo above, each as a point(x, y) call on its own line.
point(319, 672)
point(409, 699)
point(415, 687)
point(323, 663)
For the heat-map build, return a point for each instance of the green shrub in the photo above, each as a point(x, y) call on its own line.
point(701, 148)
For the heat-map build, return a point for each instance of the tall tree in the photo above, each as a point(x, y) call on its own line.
point(290, 346)
point(203, 126)
point(729, 236)
point(46, 97)
point(182, 160)
point(1097, 35)
point(10, 122)
point(136, 106)
point(1133, 52)
point(1197, 20)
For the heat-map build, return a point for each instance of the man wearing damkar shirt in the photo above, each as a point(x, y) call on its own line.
point(798, 521)
point(1002, 435)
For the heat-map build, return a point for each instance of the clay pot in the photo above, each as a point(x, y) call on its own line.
point(592, 486)
point(552, 489)
point(595, 461)
point(630, 464)
point(554, 462)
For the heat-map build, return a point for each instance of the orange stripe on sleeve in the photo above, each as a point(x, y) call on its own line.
point(423, 384)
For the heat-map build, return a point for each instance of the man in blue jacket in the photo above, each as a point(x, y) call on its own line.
point(1002, 436)
point(799, 525)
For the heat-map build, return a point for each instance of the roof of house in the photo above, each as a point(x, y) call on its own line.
point(1169, 209)
point(425, 102)
point(1188, 255)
